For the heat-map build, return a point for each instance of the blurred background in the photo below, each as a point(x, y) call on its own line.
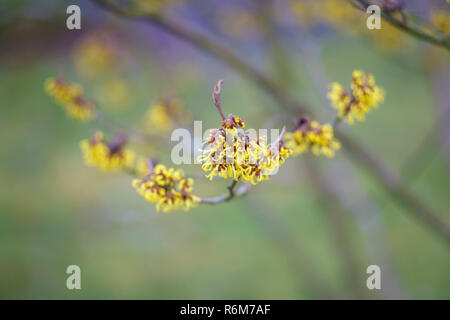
point(286, 239)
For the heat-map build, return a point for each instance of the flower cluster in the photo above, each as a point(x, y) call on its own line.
point(111, 156)
point(70, 97)
point(230, 152)
point(310, 135)
point(363, 96)
point(167, 188)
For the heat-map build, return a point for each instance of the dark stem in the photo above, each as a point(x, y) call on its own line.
point(288, 102)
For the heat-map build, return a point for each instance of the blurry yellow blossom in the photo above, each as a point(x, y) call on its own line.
point(70, 97)
point(363, 96)
point(165, 114)
point(337, 13)
point(153, 6)
point(238, 23)
point(388, 38)
point(114, 93)
point(95, 55)
point(141, 167)
point(168, 189)
point(310, 135)
point(342, 16)
point(441, 21)
point(107, 156)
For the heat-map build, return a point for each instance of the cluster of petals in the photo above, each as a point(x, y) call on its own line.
point(310, 135)
point(361, 99)
point(112, 156)
point(167, 188)
point(230, 152)
point(70, 97)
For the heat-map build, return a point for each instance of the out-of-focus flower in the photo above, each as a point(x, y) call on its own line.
point(341, 15)
point(310, 135)
point(238, 23)
point(141, 168)
point(95, 55)
point(114, 93)
point(167, 188)
point(363, 97)
point(334, 12)
point(70, 97)
point(388, 38)
point(165, 114)
point(153, 6)
point(112, 156)
point(441, 21)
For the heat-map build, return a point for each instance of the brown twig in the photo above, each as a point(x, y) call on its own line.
point(216, 97)
point(232, 193)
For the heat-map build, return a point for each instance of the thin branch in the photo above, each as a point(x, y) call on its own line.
point(232, 193)
point(392, 182)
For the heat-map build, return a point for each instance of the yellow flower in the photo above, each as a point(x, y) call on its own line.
point(343, 17)
point(107, 157)
point(168, 189)
point(310, 135)
point(70, 97)
point(441, 20)
point(363, 97)
point(95, 55)
point(165, 114)
point(229, 152)
point(154, 6)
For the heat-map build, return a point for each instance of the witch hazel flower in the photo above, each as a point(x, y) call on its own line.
point(70, 97)
point(167, 188)
point(310, 135)
point(361, 99)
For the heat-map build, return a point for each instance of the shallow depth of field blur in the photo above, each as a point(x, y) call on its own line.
point(55, 211)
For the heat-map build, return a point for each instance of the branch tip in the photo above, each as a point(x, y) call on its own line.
point(216, 97)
